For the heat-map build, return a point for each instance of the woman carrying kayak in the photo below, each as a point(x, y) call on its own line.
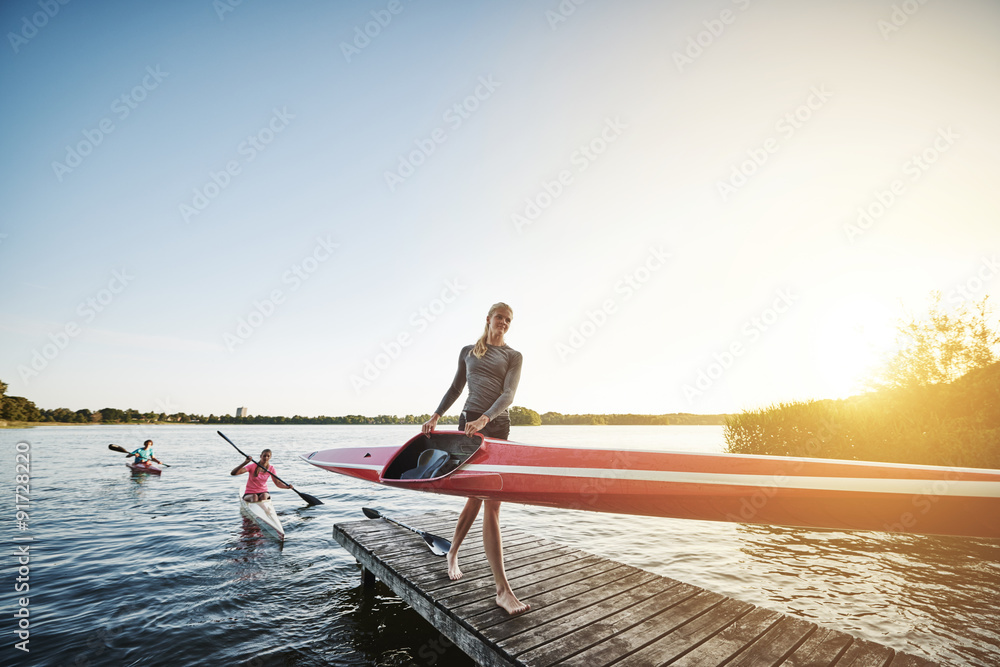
point(144, 455)
point(492, 370)
point(256, 490)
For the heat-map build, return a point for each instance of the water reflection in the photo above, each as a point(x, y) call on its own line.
point(252, 537)
point(138, 483)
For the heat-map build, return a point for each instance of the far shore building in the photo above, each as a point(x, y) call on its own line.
point(242, 412)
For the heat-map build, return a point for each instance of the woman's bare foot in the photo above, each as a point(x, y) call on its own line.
point(509, 602)
point(453, 572)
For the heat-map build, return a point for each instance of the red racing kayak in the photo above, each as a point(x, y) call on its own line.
point(774, 490)
point(145, 467)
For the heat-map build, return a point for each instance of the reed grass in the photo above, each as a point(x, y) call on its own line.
point(954, 424)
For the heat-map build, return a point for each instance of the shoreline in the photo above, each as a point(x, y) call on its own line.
point(27, 425)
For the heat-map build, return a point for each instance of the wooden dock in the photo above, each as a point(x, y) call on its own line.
point(587, 610)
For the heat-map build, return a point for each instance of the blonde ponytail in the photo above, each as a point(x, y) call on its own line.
point(480, 349)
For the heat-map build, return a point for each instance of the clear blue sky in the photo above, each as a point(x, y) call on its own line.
point(667, 194)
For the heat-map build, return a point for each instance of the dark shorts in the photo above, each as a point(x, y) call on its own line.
point(496, 428)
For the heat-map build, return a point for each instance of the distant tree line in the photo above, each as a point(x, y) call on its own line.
point(19, 409)
point(672, 419)
point(16, 408)
point(525, 417)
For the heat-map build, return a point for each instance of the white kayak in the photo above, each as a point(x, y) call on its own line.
point(263, 515)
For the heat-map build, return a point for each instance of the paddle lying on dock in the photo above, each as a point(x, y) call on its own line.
point(116, 448)
point(310, 500)
point(438, 545)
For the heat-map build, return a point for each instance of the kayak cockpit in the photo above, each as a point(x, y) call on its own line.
point(431, 456)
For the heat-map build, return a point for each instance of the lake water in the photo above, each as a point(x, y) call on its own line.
point(143, 570)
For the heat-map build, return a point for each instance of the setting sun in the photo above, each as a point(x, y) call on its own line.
point(852, 340)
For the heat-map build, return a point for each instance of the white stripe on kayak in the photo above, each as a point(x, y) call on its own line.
point(751, 457)
point(352, 466)
point(930, 487)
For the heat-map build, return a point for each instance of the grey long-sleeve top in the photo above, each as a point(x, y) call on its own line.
point(492, 380)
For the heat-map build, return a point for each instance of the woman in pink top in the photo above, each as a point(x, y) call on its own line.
point(256, 490)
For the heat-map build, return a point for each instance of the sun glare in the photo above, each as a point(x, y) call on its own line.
point(852, 341)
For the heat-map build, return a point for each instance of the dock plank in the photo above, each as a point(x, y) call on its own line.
point(688, 636)
point(908, 660)
point(540, 645)
point(588, 610)
point(816, 650)
point(603, 587)
point(577, 638)
point(862, 653)
point(515, 564)
point(775, 644)
point(732, 639)
point(431, 571)
point(530, 573)
point(483, 615)
point(624, 643)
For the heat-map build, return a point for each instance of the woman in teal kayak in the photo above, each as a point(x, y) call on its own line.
point(144, 454)
point(492, 370)
point(256, 490)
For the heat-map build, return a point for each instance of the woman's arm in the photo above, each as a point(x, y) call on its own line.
point(277, 482)
point(457, 385)
point(241, 468)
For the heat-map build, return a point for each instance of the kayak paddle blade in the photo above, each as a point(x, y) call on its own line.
point(116, 448)
point(310, 500)
point(438, 545)
point(370, 513)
